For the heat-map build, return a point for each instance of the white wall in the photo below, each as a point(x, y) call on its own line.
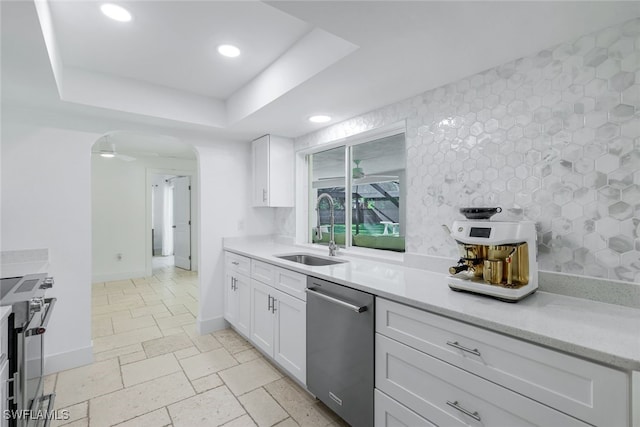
point(119, 215)
point(225, 208)
point(158, 212)
point(46, 190)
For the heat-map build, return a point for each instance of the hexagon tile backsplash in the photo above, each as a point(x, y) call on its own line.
point(553, 138)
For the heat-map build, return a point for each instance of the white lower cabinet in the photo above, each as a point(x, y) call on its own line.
point(278, 327)
point(4, 377)
point(390, 413)
point(451, 373)
point(237, 302)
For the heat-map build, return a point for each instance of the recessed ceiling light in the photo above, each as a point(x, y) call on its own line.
point(108, 155)
point(319, 119)
point(115, 12)
point(228, 50)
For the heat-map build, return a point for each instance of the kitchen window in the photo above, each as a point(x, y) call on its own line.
point(374, 208)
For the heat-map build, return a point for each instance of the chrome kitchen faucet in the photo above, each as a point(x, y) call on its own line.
point(332, 244)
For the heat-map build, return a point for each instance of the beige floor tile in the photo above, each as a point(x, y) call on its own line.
point(187, 352)
point(50, 383)
point(300, 405)
point(247, 355)
point(75, 413)
point(177, 309)
point(79, 423)
point(167, 344)
point(148, 369)
point(125, 298)
point(125, 325)
point(149, 309)
point(99, 300)
point(117, 352)
point(79, 384)
point(248, 376)
point(111, 315)
point(163, 315)
point(212, 408)
point(158, 418)
point(264, 410)
point(175, 321)
point(230, 340)
point(132, 357)
point(206, 342)
point(126, 338)
point(243, 421)
point(172, 331)
point(206, 383)
point(289, 422)
point(207, 363)
point(140, 399)
point(101, 327)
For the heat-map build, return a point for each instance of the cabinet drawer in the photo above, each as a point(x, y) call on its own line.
point(237, 263)
point(262, 272)
point(446, 395)
point(390, 413)
point(586, 390)
point(291, 283)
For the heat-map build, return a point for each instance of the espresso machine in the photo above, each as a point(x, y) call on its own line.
point(496, 258)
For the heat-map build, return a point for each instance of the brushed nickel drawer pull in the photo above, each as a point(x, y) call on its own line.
point(235, 263)
point(457, 345)
point(456, 406)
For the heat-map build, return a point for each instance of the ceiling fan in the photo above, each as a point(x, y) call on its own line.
point(358, 175)
point(107, 149)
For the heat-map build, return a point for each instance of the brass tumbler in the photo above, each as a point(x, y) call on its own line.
point(493, 271)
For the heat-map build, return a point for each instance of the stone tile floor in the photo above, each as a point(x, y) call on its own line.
point(151, 368)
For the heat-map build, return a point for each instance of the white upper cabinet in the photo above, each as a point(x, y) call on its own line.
point(273, 171)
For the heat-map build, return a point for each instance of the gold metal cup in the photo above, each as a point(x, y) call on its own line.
point(493, 271)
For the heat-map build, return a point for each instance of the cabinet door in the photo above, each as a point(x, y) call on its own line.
point(262, 318)
point(290, 335)
point(4, 376)
point(390, 413)
point(260, 150)
point(230, 299)
point(243, 304)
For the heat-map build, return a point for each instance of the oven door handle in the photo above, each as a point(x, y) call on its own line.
point(43, 326)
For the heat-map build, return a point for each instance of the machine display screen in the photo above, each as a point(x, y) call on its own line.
point(480, 232)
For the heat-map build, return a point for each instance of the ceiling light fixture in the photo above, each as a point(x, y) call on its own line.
point(115, 12)
point(319, 119)
point(228, 50)
point(107, 155)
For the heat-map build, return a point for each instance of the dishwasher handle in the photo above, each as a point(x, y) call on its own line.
point(357, 309)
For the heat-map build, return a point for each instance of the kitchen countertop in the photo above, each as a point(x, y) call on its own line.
point(605, 333)
point(23, 268)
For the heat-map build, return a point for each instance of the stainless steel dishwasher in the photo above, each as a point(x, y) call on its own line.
point(340, 340)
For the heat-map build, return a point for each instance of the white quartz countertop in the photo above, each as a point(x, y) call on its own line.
point(4, 312)
point(598, 331)
point(23, 268)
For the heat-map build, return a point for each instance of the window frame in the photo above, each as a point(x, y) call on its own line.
point(304, 175)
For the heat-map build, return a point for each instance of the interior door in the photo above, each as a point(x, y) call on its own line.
point(182, 222)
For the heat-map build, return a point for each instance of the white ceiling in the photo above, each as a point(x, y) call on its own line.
point(173, 44)
point(381, 52)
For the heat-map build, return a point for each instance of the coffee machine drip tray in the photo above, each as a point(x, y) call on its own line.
point(481, 281)
point(509, 294)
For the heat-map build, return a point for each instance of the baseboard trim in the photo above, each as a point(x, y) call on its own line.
point(206, 326)
point(70, 359)
point(109, 277)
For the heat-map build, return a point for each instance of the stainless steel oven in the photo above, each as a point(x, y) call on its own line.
point(27, 326)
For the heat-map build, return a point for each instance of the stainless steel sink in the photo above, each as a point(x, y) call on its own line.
point(308, 259)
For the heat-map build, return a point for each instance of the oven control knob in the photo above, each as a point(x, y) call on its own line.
point(47, 283)
point(36, 304)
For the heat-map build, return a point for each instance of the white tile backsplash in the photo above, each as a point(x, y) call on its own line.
point(553, 138)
